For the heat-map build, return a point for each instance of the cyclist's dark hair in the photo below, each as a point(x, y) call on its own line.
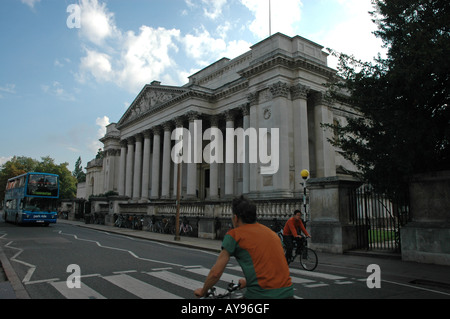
point(297, 211)
point(245, 209)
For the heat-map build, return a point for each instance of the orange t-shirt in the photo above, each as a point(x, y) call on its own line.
point(259, 252)
point(290, 229)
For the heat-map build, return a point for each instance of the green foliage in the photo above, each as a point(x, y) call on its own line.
point(403, 100)
point(78, 172)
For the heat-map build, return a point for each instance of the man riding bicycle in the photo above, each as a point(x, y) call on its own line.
point(258, 251)
point(292, 231)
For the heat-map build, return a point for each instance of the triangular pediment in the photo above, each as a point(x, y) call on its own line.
point(151, 99)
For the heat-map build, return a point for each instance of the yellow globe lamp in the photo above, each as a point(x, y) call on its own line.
point(304, 174)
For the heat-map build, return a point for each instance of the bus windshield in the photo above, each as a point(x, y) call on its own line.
point(42, 185)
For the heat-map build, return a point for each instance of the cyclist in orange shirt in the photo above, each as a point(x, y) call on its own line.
point(258, 251)
point(292, 231)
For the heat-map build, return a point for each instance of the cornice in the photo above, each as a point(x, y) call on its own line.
point(283, 60)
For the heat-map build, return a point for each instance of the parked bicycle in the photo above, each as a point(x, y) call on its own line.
point(232, 287)
point(308, 257)
point(185, 228)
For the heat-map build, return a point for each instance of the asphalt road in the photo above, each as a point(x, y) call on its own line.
point(48, 260)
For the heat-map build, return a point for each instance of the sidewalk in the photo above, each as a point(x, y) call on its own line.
point(425, 276)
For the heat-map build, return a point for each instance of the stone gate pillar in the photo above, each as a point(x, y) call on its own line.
point(426, 238)
point(330, 226)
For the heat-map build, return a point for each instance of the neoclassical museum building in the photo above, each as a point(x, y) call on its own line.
point(248, 126)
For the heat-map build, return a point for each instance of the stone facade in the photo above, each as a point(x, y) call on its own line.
point(278, 84)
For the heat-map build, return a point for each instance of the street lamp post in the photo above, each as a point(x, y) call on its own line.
point(305, 174)
point(177, 219)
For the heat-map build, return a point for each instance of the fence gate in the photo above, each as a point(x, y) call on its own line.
point(378, 219)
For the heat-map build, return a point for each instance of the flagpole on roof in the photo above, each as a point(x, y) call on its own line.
point(270, 18)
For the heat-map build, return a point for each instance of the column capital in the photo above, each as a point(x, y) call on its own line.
point(245, 109)
point(147, 134)
point(138, 137)
point(299, 91)
point(193, 115)
point(179, 121)
point(130, 140)
point(229, 115)
point(156, 130)
point(321, 98)
point(214, 120)
point(167, 126)
point(279, 89)
point(252, 98)
point(123, 143)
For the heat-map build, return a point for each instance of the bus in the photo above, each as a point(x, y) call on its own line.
point(32, 198)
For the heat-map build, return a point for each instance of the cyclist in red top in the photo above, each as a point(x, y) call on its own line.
point(292, 231)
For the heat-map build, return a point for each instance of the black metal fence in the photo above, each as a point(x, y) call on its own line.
point(378, 219)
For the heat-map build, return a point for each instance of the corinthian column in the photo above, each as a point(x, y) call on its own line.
point(193, 158)
point(156, 162)
point(122, 168)
point(165, 189)
point(300, 126)
point(214, 167)
point(137, 168)
point(230, 158)
point(130, 164)
point(146, 166)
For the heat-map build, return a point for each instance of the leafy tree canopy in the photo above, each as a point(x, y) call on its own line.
point(403, 99)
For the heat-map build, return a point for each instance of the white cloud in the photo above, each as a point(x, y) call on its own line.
point(353, 35)
point(204, 48)
point(102, 122)
point(284, 15)
point(127, 59)
point(213, 8)
point(97, 23)
point(56, 89)
point(146, 56)
point(30, 3)
point(8, 88)
point(98, 65)
point(130, 59)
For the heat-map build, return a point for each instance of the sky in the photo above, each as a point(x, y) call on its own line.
point(69, 68)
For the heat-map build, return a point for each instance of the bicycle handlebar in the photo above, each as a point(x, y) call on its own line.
point(231, 288)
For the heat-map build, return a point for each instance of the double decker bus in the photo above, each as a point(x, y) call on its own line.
point(32, 198)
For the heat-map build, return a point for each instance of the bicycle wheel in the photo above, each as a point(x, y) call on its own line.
point(308, 259)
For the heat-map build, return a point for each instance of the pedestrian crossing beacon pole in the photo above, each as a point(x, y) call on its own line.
point(305, 174)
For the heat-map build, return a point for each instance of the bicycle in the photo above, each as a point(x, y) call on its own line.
point(232, 287)
point(308, 257)
point(185, 228)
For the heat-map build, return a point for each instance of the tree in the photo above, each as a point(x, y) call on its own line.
point(403, 99)
point(78, 172)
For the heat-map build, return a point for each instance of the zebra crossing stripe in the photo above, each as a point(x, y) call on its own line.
point(176, 279)
point(85, 292)
point(225, 276)
point(140, 288)
point(296, 280)
point(315, 274)
point(144, 290)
